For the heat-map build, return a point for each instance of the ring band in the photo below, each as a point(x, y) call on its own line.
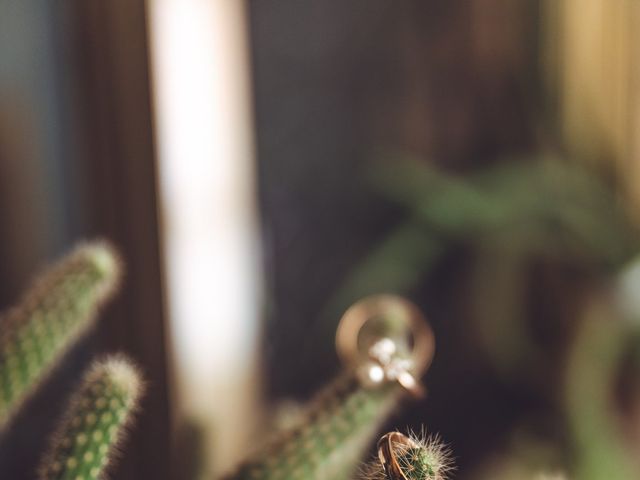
point(387, 456)
point(423, 340)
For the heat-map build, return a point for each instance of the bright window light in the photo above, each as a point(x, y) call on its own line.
point(205, 158)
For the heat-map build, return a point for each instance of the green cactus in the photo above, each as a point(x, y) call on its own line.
point(94, 423)
point(331, 439)
point(416, 457)
point(52, 315)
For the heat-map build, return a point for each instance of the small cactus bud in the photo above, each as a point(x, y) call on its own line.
point(416, 457)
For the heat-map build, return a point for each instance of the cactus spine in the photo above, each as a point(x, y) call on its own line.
point(51, 316)
point(330, 440)
point(94, 423)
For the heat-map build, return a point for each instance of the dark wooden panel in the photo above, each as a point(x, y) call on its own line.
point(113, 97)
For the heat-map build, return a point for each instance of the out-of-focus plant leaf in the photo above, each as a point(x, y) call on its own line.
point(516, 211)
point(545, 206)
point(593, 362)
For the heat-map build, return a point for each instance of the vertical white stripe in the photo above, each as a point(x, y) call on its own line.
point(205, 152)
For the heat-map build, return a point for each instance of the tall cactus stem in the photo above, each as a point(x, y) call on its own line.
point(58, 309)
point(94, 424)
point(329, 441)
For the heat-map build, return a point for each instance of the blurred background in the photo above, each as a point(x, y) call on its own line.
point(263, 164)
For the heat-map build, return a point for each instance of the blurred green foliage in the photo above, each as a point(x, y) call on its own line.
point(545, 207)
point(512, 216)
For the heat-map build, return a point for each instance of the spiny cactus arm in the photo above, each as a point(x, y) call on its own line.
point(86, 440)
point(52, 315)
point(413, 457)
point(332, 438)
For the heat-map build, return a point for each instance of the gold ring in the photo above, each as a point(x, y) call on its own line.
point(387, 455)
point(376, 306)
